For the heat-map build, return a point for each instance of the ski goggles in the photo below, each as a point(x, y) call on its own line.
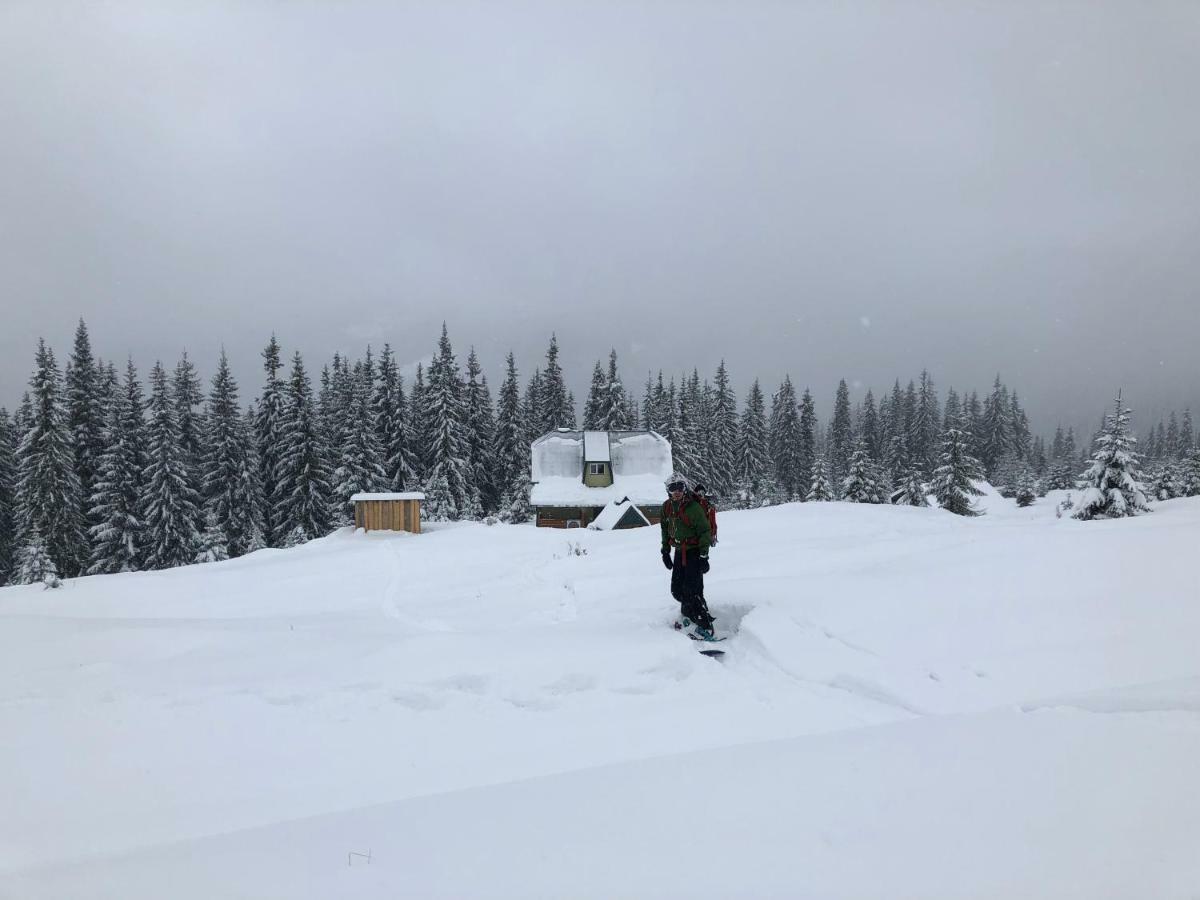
point(676, 487)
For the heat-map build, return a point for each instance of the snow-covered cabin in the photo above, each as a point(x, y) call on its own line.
point(576, 474)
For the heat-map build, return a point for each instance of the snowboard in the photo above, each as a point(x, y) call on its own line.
point(707, 649)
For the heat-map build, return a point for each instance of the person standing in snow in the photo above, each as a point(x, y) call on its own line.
point(686, 531)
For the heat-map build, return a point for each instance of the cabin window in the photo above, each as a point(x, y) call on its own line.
point(595, 468)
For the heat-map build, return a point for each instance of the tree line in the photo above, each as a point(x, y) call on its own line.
point(102, 473)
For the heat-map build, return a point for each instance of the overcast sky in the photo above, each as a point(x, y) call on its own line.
point(833, 190)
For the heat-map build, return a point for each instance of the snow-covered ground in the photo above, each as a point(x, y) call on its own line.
point(911, 705)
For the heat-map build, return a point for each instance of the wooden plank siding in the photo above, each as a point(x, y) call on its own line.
point(388, 515)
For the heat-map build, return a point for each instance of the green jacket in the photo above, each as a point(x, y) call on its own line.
point(685, 524)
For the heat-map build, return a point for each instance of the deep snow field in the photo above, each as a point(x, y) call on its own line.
point(912, 705)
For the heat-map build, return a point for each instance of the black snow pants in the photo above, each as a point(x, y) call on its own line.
point(687, 586)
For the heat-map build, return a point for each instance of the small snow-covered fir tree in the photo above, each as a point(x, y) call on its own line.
point(438, 505)
point(35, 564)
point(212, 546)
point(296, 537)
point(1166, 482)
point(861, 484)
point(514, 507)
point(954, 480)
point(1026, 489)
point(820, 490)
point(169, 504)
point(911, 491)
point(1110, 485)
point(1191, 475)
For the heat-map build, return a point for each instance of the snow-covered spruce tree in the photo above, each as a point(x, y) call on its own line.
point(722, 435)
point(996, 439)
point(954, 481)
point(1021, 441)
point(8, 498)
point(230, 493)
point(514, 506)
point(911, 491)
point(923, 428)
point(305, 499)
point(419, 440)
point(35, 564)
point(687, 448)
point(615, 414)
point(170, 505)
point(480, 432)
point(360, 463)
point(595, 399)
point(391, 423)
point(820, 490)
point(861, 484)
point(212, 541)
point(1004, 475)
point(48, 492)
point(1026, 490)
point(808, 444)
point(268, 431)
point(753, 460)
point(841, 435)
point(257, 539)
point(510, 449)
point(439, 504)
point(1191, 475)
point(116, 499)
point(1166, 482)
point(85, 411)
point(783, 438)
point(188, 396)
point(1110, 485)
point(446, 418)
point(556, 408)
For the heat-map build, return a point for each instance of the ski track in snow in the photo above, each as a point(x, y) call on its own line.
point(379, 668)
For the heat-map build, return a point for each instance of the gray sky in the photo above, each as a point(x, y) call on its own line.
point(829, 189)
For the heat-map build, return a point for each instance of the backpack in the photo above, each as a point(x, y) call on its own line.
point(709, 510)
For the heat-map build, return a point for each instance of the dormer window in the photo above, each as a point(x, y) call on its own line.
point(595, 468)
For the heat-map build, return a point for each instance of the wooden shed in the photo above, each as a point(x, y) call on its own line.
point(388, 512)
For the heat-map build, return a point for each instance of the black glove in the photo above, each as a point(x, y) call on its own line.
point(704, 565)
point(666, 555)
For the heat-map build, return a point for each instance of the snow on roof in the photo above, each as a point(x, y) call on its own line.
point(644, 490)
point(641, 463)
point(411, 495)
point(595, 446)
point(611, 515)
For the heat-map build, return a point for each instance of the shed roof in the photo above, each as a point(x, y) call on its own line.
point(411, 495)
point(612, 515)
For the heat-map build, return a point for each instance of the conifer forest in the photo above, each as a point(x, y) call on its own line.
point(107, 467)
